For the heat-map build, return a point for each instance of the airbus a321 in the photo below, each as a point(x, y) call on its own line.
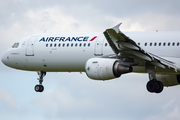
point(102, 56)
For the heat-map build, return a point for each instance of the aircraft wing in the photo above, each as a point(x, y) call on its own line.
point(124, 46)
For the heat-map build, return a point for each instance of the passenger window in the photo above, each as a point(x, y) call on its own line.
point(150, 44)
point(164, 44)
point(46, 45)
point(59, 45)
point(84, 44)
point(138, 43)
point(72, 45)
point(80, 45)
point(173, 44)
point(105, 44)
point(88, 44)
point(54, 45)
point(168, 44)
point(76, 45)
point(145, 44)
point(155, 44)
point(159, 44)
point(68, 45)
point(63, 44)
point(50, 45)
point(178, 44)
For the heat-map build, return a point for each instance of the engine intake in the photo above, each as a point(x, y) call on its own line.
point(105, 68)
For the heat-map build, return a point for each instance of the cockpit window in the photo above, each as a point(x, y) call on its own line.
point(16, 45)
point(13, 45)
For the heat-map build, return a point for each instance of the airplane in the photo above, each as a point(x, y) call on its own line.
point(102, 56)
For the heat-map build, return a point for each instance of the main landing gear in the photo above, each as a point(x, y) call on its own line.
point(155, 86)
point(40, 87)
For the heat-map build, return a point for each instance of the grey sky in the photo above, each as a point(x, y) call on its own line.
point(73, 96)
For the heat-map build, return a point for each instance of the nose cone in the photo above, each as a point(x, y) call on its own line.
point(3, 59)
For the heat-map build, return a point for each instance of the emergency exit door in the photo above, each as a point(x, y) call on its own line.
point(99, 46)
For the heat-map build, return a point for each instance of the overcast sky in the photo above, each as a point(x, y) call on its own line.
point(73, 96)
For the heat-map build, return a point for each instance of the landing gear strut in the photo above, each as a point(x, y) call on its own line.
point(40, 87)
point(153, 86)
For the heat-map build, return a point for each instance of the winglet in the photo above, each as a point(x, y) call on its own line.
point(116, 28)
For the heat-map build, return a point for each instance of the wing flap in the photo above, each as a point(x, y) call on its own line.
point(121, 44)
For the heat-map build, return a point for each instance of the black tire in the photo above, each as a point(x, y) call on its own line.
point(152, 86)
point(37, 88)
point(41, 88)
point(161, 86)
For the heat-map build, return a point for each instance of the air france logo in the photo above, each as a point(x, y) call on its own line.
point(64, 39)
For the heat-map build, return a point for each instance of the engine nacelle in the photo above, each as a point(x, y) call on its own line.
point(105, 68)
point(168, 80)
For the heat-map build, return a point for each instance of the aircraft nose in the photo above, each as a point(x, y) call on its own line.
point(4, 59)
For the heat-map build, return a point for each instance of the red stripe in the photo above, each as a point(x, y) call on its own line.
point(93, 38)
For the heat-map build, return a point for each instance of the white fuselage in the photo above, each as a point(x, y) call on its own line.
point(69, 52)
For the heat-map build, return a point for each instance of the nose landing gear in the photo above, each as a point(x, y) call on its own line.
point(40, 87)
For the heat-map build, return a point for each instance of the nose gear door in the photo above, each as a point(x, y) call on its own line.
point(30, 46)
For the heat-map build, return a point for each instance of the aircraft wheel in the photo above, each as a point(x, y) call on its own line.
point(39, 88)
point(161, 86)
point(152, 86)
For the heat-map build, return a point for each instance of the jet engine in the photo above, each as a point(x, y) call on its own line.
point(105, 68)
